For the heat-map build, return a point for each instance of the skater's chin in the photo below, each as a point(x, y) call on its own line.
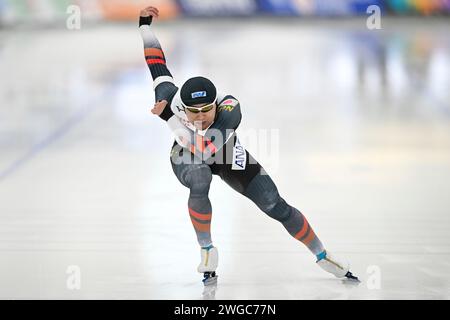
point(202, 124)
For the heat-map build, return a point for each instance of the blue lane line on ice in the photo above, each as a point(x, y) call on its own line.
point(57, 134)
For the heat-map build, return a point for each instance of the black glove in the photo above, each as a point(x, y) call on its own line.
point(145, 20)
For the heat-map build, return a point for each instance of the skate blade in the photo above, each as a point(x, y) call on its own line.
point(351, 277)
point(210, 281)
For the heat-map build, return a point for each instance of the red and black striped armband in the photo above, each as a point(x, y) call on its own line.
point(154, 56)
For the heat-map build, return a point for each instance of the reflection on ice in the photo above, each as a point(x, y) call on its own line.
point(209, 292)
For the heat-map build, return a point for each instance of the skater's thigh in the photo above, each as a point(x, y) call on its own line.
point(237, 177)
point(190, 172)
point(262, 191)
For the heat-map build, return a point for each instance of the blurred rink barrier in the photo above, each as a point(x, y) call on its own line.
point(46, 12)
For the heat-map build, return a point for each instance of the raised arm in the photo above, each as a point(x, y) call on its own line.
point(163, 83)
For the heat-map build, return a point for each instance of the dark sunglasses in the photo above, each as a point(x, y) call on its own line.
point(206, 108)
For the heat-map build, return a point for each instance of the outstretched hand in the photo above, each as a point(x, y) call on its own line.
point(150, 12)
point(159, 107)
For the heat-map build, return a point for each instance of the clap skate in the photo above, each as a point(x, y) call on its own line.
point(338, 267)
point(208, 265)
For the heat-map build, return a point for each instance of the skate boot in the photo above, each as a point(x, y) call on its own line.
point(337, 267)
point(208, 265)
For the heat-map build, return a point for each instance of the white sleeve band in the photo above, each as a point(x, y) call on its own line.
point(160, 80)
point(150, 40)
point(146, 32)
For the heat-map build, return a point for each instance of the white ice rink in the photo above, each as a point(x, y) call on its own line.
point(363, 125)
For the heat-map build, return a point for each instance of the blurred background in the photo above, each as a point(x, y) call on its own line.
point(50, 11)
point(357, 114)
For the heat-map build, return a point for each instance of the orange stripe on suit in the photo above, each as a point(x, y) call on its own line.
point(155, 61)
point(302, 232)
point(201, 216)
point(154, 52)
point(310, 237)
point(200, 226)
point(192, 148)
point(211, 147)
point(200, 143)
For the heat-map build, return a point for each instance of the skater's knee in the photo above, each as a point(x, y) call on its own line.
point(199, 179)
point(264, 193)
point(273, 205)
point(278, 209)
point(268, 200)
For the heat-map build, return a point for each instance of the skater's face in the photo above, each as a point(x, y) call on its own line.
point(201, 120)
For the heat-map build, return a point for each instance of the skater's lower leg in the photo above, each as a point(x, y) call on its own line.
point(197, 177)
point(264, 193)
point(199, 205)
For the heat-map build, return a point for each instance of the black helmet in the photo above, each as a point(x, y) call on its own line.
point(198, 90)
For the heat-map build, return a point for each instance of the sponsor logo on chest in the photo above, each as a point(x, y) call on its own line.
point(228, 105)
